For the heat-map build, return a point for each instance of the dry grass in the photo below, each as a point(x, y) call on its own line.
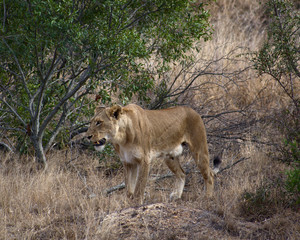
point(68, 201)
point(64, 202)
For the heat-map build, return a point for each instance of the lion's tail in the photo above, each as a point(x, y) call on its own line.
point(217, 163)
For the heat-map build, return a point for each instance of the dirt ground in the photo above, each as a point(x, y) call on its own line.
point(175, 221)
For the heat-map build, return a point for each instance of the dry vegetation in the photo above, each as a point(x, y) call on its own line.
point(68, 201)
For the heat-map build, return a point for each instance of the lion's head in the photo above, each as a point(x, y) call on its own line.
point(105, 126)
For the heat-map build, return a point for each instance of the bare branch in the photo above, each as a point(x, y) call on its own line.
point(6, 146)
point(4, 15)
point(141, 17)
point(4, 127)
point(222, 113)
point(57, 128)
point(11, 108)
point(84, 77)
point(22, 77)
point(185, 80)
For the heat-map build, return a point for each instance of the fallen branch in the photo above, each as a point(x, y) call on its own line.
point(168, 175)
point(231, 165)
point(115, 188)
point(122, 185)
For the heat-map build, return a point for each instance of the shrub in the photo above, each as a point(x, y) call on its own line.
point(278, 58)
point(293, 175)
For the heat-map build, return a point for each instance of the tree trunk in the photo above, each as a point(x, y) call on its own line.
point(39, 151)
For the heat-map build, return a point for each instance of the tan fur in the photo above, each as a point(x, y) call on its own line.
point(140, 135)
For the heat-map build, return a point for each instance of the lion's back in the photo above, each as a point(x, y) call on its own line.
point(170, 124)
point(167, 116)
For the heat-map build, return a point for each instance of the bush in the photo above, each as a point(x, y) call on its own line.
point(278, 58)
point(293, 176)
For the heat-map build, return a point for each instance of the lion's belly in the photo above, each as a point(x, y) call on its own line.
point(133, 154)
point(171, 152)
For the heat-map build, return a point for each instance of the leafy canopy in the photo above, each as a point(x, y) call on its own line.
point(54, 53)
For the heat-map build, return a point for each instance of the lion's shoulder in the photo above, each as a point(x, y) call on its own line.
point(133, 107)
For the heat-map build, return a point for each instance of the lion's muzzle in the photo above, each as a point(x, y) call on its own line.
point(100, 143)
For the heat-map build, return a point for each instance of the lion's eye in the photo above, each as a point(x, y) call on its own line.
point(98, 123)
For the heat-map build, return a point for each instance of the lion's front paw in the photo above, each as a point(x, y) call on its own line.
point(129, 195)
point(174, 196)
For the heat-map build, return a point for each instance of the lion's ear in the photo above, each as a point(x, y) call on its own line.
point(99, 109)
point(115, 111)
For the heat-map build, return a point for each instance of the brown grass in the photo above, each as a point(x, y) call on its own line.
point(62, 202)
point(68, 201)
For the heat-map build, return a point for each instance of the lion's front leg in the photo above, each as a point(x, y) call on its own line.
point(130, 171)
point(141, 181)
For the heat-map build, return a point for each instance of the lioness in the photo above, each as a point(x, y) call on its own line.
point(140, 135)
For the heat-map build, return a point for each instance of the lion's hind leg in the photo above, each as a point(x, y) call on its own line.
point(174, 165)
point(202, 161)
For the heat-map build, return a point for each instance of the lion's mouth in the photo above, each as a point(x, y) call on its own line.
point(100, 143)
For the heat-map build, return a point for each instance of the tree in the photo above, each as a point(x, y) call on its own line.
point(54, 54)
point(279, 58)
point(279, 55)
